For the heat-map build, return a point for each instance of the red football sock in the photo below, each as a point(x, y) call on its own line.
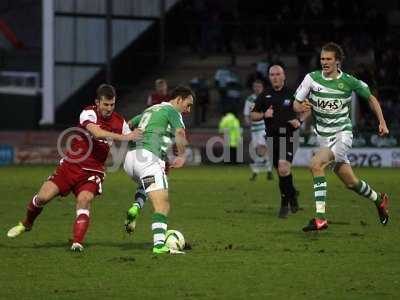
point(32, 211)
point(80, 227)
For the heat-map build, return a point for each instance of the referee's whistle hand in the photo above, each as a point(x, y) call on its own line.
point(269, 113)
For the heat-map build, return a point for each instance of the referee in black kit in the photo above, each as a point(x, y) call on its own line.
point(275, 106)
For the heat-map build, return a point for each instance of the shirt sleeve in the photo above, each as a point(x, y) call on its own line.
point(248, 107)
point(125, 128)
point(304, 89)
point(136, 120)
point(175, 119)
point(86, 117)
point(259, 104)
point(361, 89)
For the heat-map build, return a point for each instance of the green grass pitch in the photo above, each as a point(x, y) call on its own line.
point(241, 250)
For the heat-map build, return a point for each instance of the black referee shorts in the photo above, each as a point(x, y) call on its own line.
point(282, 147)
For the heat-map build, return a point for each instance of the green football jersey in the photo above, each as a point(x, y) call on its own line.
point(158, 124)
point(331, 100)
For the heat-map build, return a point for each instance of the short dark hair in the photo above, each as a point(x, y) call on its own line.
point(182, 91)
point(160, 81)
point(333, 47)
point(259, 81)
point(106, 91)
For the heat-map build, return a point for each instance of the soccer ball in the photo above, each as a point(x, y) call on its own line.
point(175, 240)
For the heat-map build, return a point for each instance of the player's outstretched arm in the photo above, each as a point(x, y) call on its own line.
point(181, 143)
point(135, 121)
point(97, 132)
point(376, 108)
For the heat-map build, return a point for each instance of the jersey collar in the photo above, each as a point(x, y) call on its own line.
point(328, 78)
point(164, 102)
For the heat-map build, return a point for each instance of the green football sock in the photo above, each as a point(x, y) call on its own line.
point(159, 228)
point(364, 189)
point(320, 196)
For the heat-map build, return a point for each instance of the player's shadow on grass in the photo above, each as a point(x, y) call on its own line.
point(37, 246)
point(268, 211)
point(125, 246)
point(128, 245)
point(338, 222)
point(133, 246)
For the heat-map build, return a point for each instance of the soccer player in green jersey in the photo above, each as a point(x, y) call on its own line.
point(258, 142)
point(145, 162)
point(329, 91)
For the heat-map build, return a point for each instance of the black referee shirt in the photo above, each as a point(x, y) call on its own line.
point(282, 104)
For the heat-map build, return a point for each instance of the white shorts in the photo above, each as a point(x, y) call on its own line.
point(340, 144)
point(146, 169)
point(258, 138)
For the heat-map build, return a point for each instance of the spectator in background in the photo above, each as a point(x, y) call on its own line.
point(230, 125)
point(229, 89)
point(222, 76)
point(233, 97)
point(200, 87)
point(160, 94)
point(260, 70)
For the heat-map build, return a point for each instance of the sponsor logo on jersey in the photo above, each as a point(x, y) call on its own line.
point(268, 96)
point(329, 104)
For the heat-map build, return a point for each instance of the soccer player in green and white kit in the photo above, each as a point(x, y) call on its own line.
point(329, 91)
point(258, 141)
point(145, 162)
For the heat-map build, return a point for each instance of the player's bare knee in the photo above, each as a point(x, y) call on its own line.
point(351, 185)
point(164, 207)
point(160, 201)
point(43, 197)
point(84, 199)
point(316, 166)
point(161, 207)
point(47, 192)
